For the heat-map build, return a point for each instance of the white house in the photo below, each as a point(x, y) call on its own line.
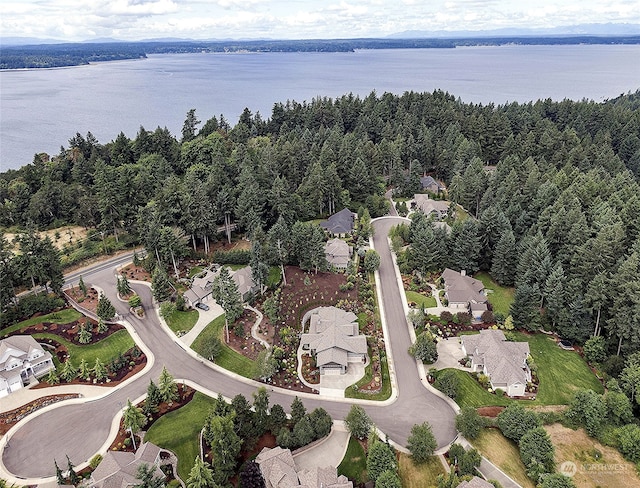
point(438, 208)
point(21, 358)
point(202, 285)
point(504, 362)
point(338, 253)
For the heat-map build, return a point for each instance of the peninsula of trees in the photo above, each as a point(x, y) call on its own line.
point(75, 54)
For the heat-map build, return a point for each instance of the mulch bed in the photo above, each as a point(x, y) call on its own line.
point(89, 302)
point(70, 331)
point(245, 344)
point(185, 395)
point(133, 272)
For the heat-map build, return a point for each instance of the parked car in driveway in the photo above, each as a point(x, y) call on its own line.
point(202, 306)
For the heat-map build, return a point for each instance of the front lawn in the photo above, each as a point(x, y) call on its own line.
point(107, 349)
point(420, 300)
point(228, 359)
point(422, 475)
point(503, 453)
point(182, 320)
point(353, 391)
point(179, 431)
point(354, 463)
point(561, 374)
point(500, 297)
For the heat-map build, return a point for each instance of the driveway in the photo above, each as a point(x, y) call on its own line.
point(81, 430)
point(449, 354)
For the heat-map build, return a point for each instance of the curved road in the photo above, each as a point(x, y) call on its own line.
point(80, 430)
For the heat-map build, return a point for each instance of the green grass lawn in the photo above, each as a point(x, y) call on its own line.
point(383, 394)
point(182, 320)
point(228, 359)
point(194, 271)
point(107, 349)
point(354, 463)
point(561, 374)
point(500, 297)
point(178, 431)
point(274, 277)
point(422, 475)
point(421, 300)
point(503, 453)
point(62, 317)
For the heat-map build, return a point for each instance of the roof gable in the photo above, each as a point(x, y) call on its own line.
point(340, 222)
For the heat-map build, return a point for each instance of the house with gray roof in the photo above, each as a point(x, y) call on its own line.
point(341, 223)
point(334, 338)
point(428, 183)
point(464, 292)
point(21, 358)
point(201, 289)
point(504, 362)
point(278, 469)
point(430, 207)
point(338, 253)
point(118, 469)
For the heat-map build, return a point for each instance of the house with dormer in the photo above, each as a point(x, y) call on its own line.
point(21, 359)
point(464, 292)
point(504, 362)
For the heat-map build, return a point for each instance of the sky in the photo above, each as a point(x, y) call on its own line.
point(77, 20)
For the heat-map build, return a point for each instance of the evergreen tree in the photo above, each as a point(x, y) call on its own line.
point(303, 431)
point(380, 458)
point(277, 418)
point(74, 479)
point(153, 399)
point(69, 372)
point(160, 284)
point(105, 309)
point(201, 475)
point(358, 422)
point(261, 410)
point(84, 372)
point(102, 326)
point(146, 474)
point(465, 247)
point(250, 476)
point(133, 419)
point(226, 294)
point(297, 410)
point(99, 371)
point(84, 333)
point(82, 286)
point(421, 442)
point(321, 422)
point(167, 386)
point(503, 267)
point(225, 447)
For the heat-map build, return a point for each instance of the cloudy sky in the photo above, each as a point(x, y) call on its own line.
point(293, 19)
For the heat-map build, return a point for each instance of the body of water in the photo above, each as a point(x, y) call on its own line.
point(40, 110)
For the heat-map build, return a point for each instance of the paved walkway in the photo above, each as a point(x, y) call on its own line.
point(254, 328)
point(205, 317)
point(328, 452)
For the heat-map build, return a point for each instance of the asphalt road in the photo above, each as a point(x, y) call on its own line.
point(79, 431)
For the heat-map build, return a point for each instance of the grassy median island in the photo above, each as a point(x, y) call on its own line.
point(61, 317)
point(106, 350)
point(179, 431)
point(228, 359)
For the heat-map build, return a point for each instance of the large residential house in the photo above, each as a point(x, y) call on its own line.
point(504, 362)
point(340, 224)
point(21, 358)
point(438, 208)
point(334, 338)
point(464, 292)
point(202, 285)
point(428, 183)
point(338, 253)
point(279, 470)
point(118, 469)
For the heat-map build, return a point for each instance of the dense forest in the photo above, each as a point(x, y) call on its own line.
point(552, 189)
point(75, 54)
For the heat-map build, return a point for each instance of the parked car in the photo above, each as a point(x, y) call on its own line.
point(202, 306)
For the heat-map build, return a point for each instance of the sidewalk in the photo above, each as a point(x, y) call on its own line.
point(26, 395)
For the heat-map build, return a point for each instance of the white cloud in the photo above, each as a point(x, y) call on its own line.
point(136, 19)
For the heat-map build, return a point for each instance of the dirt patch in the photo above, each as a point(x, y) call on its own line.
point(240, 338)
point(490, 411)
point(595, 464)
point(68, 236)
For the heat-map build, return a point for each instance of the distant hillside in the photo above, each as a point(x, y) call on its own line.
point(74, 54)
point(570, 30)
